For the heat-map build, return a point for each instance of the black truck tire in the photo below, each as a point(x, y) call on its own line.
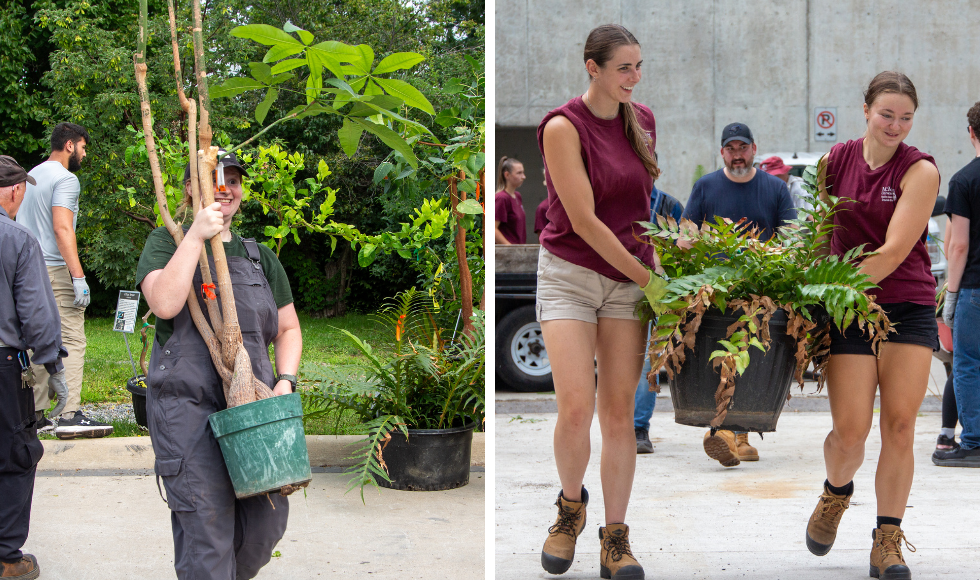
point(522, 361)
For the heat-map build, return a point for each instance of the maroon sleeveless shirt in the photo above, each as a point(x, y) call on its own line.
point(866, 222)
point(620, 183)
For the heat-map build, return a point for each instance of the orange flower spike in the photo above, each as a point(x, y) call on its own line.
point(399, 328)
point(477, 191)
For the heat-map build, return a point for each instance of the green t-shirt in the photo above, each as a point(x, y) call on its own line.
point(160, 247)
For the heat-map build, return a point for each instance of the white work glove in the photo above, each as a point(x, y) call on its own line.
point(82, 294)
point(950, 308)
point(58, 387)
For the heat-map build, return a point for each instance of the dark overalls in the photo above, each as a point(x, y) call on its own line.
point(19, 453)
point(216, 536)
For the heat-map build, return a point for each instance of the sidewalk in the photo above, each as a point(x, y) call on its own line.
point(97, 514)
point(690, 518)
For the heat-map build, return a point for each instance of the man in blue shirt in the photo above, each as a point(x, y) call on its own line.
point(664, 204)
point(738, 191)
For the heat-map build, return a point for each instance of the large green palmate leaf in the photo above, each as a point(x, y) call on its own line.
point(398, 61)
point(412, 96)
point(235, 86)
point(350, 136)
point(263, 109)
point(391, 139)
point(264, 34)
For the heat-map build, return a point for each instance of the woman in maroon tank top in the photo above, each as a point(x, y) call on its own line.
point(598, 152)
point(894, 187)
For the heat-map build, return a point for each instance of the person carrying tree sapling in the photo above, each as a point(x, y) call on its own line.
point(216, 535)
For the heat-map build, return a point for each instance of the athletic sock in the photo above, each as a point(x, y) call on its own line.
point(948, 431)
point(842, 490)
point(890, 521)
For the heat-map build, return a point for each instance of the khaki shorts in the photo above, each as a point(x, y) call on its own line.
point(570, 292)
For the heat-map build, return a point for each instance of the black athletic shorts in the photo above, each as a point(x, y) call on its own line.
point(913, 323)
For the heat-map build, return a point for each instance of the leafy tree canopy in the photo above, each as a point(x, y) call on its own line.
point(71, 60)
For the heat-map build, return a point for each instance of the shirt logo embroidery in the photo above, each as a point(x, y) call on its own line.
point(888, 194)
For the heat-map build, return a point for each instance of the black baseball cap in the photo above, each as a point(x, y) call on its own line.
point(11, 173)
point(736, 132)
point(229, 160)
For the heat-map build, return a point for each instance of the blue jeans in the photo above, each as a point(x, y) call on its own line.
point(645, 399)
point(966, 365)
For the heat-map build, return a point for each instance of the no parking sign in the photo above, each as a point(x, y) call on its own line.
point(825, 124)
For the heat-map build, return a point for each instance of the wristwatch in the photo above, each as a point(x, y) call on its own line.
point(290, 378)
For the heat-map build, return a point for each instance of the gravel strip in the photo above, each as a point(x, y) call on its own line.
point(109, 412)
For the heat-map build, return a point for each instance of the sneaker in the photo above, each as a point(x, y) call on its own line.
point(887, 562)
point(81, 426)
point(559, 548)
point(44, 424)
point(24, 569)
point(821, 531)
point(745, 451)
point(616, 560)
point(643, 444)
point(944, 443)
point(722, 447)
point(959, 457)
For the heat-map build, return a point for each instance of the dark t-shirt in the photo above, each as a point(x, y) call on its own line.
point(964, 200)
point(509, 211)
point(160, 247)
point(765, 201)
point(664, 204)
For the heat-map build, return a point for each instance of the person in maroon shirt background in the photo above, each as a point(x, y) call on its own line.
point(895, 187)
point(510, 224)
point(592, 271)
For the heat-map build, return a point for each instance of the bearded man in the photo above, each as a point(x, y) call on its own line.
point(738, 191)
point(50, 212)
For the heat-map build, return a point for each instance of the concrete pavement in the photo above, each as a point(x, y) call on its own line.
point(690, 518)
point(97, 514)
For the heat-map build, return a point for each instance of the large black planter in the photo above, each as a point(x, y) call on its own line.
point(759, 393)
point(430, 460)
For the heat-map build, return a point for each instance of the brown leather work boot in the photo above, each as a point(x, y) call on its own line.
point(745, 451)
point(887, 562)
point(721, 447)
point(559, 548)
point(821, 531)
point(616, 560)
point(24, 569)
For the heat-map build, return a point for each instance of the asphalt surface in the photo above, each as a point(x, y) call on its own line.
point(97, 514)
point(691, 518)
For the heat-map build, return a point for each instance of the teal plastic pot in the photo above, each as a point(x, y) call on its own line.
point(263, 444)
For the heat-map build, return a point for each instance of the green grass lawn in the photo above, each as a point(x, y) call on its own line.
point(108, 367)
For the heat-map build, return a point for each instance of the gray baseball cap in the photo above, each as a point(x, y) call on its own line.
point(229, 160)
point(11, 173)
point(736, 132)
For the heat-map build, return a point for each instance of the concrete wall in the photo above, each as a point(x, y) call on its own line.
point(766, 63)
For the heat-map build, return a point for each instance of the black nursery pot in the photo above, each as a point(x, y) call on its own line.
point(137, 386)
point(760, 392)
point(429, 460)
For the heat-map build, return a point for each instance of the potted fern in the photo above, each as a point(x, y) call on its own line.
point(418, 407)
point(741, 317)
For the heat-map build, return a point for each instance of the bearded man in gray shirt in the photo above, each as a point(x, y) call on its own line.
point(50, 212)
